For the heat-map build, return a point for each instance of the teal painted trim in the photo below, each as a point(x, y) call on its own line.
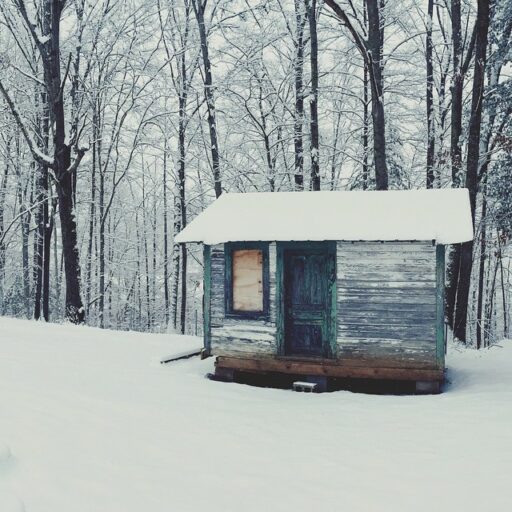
point(207, 295)
point(330, 249)
point(440, 280)
point(333, 293)
point(279, 299)
point(228, 280)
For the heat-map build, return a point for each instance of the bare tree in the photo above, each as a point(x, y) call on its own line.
point(199, 10)
point(46, 38)
point(371, 50)
point(473, 160)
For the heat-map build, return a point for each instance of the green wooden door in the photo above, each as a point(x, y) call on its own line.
point(306, 303)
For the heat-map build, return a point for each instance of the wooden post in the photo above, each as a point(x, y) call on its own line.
point(207, 292)
point(333, 298)
point(279, 298)
point(440, 338)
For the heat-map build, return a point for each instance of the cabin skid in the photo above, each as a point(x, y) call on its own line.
point(233, 369)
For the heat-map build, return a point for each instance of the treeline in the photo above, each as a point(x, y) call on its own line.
point(122, 119)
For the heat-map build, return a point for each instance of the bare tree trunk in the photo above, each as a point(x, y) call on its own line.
point(481, 270)
point(183, 317)
point(183, 205)
point(175, 263)
point(503, 294)
point(74, 308)
point(453, 269)
point(459, 70)
point(262, 124)
point(166, 237)
point(3, 189)
point(101, 239)
point(473, 160)
point(92, 210)
point(199, 8)
point(146, 254)
point(335, 171)
point(154, 264)
point(298, 71)
point(490, 305)
point(375, 45)
point(25, 217)
point(366, 117)
point(139, 273)
point(44, 226)
point(65, 170)
point(181, 78)
point(457, 91)
point(39, 237)
point(49, 223)
point(313, 103)
point(371, 51)
point(57, 273)
point(430, 98)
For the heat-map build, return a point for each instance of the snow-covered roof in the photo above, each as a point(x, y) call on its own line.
point(442, 215)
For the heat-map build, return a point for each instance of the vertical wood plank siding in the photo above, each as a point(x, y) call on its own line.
point(233, 335)
point(387, 301)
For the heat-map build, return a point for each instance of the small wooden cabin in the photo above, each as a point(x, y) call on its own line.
point(325, 285)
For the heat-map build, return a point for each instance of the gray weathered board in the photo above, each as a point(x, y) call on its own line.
point(387, 300)
point(386, 305)
point(230, 335)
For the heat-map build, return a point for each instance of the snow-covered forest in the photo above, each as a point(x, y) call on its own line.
point(121, 120)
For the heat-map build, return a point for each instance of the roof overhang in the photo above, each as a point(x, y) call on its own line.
point(441, 215)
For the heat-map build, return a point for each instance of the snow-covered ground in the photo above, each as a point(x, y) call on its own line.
point(90, 421)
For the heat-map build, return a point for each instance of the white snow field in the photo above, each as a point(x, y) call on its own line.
point(90, 421)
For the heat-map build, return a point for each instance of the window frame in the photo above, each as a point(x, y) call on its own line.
point(229, 248)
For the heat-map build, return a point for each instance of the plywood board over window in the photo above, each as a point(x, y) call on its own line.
point(247, 280)
point(246, 284)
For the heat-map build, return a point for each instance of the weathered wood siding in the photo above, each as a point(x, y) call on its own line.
point(387, 302)
point(385, 307)
point(231, 336)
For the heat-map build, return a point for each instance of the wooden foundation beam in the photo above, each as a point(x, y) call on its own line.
point(326, 368)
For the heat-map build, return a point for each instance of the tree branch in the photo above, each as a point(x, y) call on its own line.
point(32, 28)
point(80, 152)
point(358, 39)
point(471, 49)
point(38, 155)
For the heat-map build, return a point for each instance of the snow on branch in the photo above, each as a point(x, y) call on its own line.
point(80, 152)
point(38, 38)
point(38, 155)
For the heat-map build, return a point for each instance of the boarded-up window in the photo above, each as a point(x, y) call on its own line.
point(247, 280)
